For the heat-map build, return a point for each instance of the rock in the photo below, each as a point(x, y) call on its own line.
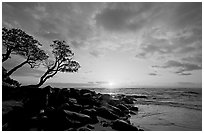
point(92, 113)
point(123, 108)
point(115, 110)
point(134, 108)
point(72, 101)
point(114, 102)
point(77, 116)
point(106, 113)
point(74, 93)
point(84, 129)
point(136, 96)
point(122, 125)
point(64, 106)
point(105, 97)
point(83, 91)
point(132, 112)
point(90, 126)
point(128, 100)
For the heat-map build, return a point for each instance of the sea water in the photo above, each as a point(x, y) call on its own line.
point(164, 109)
point(177, 97)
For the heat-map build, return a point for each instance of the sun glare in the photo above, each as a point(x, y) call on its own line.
point(111, 84)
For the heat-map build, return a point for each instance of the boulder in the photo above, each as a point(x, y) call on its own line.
point(92, 113)
point(128, 100)
point(114, 102)
point(123, 108)
point(74, 93)
point(84, 129)
point(77, 116)
point(115, 110)
point(90, 126)
point(106, 113)
point(105, 97)
point(122, 125)
point(138, 96)
point(134, 108)
point(132, 112)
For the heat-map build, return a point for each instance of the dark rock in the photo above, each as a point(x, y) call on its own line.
point(136, 96)
point(123, 108)
point(105, 97)
point(106, 113)
point(65, 106)
point(77, 116)
point(83, 91)
point(115, 110)
point(122, 125)
point(114, 102)
point(132, 112)
point(84, 129)
point(74, 93)
point(128, 100)
point(72, 101)
point(141, 129)
point(92, 113)
point(90, 126)
point(134, 108)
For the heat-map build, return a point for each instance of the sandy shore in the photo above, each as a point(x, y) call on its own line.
point(167, 118)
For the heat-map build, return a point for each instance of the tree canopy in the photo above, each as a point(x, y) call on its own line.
point(20, 43)
point(61, 62)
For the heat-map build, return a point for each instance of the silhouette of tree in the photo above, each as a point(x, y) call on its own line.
point(63, 61)
point(20, 43)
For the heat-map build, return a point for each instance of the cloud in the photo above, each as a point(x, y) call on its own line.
point(96, 53)
point(123, 16)
point(153, 74)
point(181, 67)
point(67, 21)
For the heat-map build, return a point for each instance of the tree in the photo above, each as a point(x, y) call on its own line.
point(20, 43)
point(62, 61)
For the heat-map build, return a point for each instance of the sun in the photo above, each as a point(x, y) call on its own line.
point(111, 84)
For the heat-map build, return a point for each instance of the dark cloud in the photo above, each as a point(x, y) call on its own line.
point(181, 66)
point(153, 74)
point(67, 21)
point(96, 53)
point(188, 14)
point(123, 16)
point(197, 58)
point(101, 82)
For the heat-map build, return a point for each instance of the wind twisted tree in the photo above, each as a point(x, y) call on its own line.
point(62, 61)
point(20, 43)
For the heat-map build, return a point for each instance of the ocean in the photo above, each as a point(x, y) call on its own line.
point(164, 109)
point(177, 97)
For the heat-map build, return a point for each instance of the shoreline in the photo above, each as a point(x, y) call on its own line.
point(88, 110)
point(53, 109)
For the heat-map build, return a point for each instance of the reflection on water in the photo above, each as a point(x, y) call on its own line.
point(177, 97)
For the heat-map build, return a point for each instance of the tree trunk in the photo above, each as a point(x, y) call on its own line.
point(40, 83)
point(16, 67)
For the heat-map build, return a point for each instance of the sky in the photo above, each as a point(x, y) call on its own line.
point(117, 44)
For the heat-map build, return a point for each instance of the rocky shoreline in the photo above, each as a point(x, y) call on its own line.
point(67, 109)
